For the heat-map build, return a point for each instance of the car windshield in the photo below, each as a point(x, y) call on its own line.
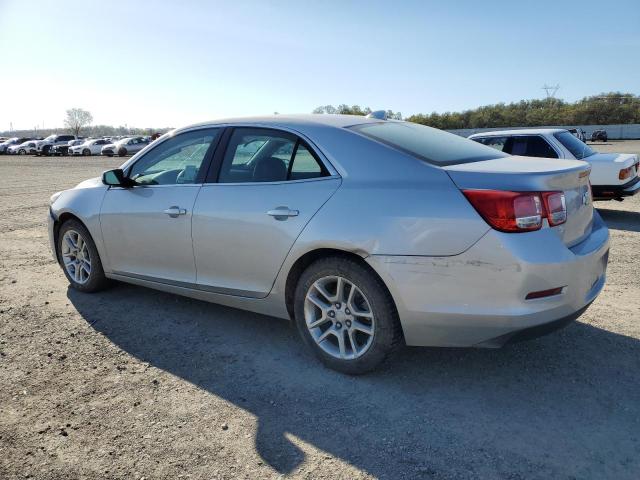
point(577, 147)
point(428, 144)
point(50, 137)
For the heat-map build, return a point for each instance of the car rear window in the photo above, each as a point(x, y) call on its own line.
point(577, 147)
point(428, 144)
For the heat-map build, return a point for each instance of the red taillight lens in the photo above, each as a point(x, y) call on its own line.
point(555, 207)
point(508, 211)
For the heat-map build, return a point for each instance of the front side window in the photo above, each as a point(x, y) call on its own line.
point(426, 143)
point(265, 155)
point(177, 160)
point(577, 147)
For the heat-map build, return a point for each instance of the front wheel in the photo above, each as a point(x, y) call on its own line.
point(122, 152)
point(86, 152)
point(79, 258)
point(345, 315)
point(22, 151)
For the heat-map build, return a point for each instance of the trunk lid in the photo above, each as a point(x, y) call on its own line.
point(528, 174)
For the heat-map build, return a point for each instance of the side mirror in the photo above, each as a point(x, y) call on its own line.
point(116, 178)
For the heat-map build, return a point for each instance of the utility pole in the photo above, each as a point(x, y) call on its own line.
point(551, 90)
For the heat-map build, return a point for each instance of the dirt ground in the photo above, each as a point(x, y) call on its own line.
point(134, 383)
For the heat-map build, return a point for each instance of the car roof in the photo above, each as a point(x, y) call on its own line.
point(293, 121)
point(519, 131)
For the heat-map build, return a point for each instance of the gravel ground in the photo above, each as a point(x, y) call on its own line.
point(134, 383)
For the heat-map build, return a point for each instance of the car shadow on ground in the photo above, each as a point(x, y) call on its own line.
point(566, 405)
point(621, 219)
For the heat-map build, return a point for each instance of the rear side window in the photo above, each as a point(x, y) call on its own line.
point(531, 146)
point(426, 143)
point(265, 155)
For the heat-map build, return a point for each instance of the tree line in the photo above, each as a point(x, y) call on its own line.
point(604, 109)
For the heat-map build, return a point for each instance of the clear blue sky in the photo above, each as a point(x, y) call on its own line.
point(172, 63)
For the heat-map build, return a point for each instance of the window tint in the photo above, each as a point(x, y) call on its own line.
point(264, 155)
point(532, 146)
point(494, 142)
point(426, 143)
point(577, 147)
point(175, 161)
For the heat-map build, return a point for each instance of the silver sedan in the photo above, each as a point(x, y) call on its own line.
point(368, 233)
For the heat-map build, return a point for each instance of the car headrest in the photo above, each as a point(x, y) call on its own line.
point(269, 169)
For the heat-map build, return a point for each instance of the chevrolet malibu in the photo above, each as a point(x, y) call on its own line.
point(368, 233)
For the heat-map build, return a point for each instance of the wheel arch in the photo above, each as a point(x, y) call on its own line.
point(57, 223)
point(299, 266)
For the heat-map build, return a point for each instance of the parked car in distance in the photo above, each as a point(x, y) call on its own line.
point(28, 147)
point(126, 146)
point(12, 141)
point(579, 133)
point(369, 233)
point(613, 175)
point(63, 149)
point(92, 146)
point(43, 147)
point(599, 135)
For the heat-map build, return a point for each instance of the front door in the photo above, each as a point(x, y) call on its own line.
point(146, 229)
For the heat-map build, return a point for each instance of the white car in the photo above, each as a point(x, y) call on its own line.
point(28, 147)
point(613, 175)
point(126, 146)
point(90, 147)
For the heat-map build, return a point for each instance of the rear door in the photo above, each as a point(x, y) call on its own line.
point(270, 183)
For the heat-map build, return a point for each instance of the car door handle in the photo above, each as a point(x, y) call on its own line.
point(175, 211)
point(282, 213)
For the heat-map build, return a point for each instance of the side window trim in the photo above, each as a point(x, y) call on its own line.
point(206, 161)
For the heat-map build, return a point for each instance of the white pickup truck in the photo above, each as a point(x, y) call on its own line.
point(613, 175)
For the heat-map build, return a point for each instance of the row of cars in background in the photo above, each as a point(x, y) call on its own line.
point(613, 175)
point(72, 145)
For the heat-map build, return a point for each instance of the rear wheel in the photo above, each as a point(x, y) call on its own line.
point(79, 258)
point(346, 315)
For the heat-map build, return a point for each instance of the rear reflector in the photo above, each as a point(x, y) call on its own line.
point(544, 293)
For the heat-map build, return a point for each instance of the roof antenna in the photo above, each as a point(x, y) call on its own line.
point(378, 114)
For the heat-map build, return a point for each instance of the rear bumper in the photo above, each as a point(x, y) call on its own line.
point(478, 298)
point(607, 192)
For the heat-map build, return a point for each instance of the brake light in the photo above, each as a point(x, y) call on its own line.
point(518, 211)
point(555, 207)
point(508, 211)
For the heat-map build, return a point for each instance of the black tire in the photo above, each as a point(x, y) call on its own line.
point(86, 152)
point(387, 335)
point(22, 151)
point(97, 280)
point(122, 152)
point(46, 151)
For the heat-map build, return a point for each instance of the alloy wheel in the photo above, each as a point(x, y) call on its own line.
point(339, 317)
point(76, 256)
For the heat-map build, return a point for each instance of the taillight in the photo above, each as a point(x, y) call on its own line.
point(518, 211)
point(555, 207)
point(508, 211)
